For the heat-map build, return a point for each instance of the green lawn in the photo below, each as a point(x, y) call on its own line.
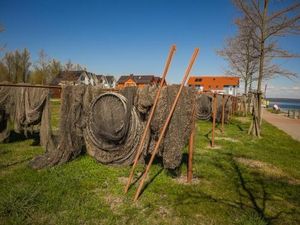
point(241, 181)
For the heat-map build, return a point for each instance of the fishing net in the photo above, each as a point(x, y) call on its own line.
point(108, 124)
point(4, 112)
point(203, 107)
point(69, 142)
point(179, 129)
point(114, 128)
point(23, 107)
point(227, 108)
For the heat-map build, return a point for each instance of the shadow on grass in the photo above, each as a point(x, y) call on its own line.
point(150, 181)
point(14, 163)
point(251, 191)
point(16, 137)
point(238, 125)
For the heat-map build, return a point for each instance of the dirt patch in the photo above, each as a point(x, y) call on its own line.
point(268, 169)
point(243, 119)
point(214, 147)
point(227, 139)
point(123, 180)
point(113, 201)
point(164, 212)
point(183, 180)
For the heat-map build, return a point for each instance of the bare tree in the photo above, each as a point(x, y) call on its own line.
point(17, 67)
point(8, 62)
point(45, 69)
point(55, 68)
point(3, 72)
point(69, 66)
point(268, 26)
point(2, 30)
point(241, 54)
point(25, 64)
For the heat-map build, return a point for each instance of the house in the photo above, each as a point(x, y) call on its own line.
point(81, 77)
point(106, 81)
point(138, 80)
point(75, 77)
point(220, 84)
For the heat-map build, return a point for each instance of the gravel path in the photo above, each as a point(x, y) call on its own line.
point(288, 125)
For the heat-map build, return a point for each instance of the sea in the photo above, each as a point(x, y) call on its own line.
point(285, 104)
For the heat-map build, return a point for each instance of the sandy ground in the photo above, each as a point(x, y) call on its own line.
point(288, 125)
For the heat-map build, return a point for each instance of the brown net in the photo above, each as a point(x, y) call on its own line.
point(114, 127)
point(21, 106)
point(203, 107)
point(179, 129)
point(108, 124)
point(68, 144)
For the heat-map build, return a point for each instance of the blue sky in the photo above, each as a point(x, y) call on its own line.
point(121, 37)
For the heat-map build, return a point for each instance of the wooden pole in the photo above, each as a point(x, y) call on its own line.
point(191, 144)
point(223, 113)
point(164, 129)
point(234, 105)
point(214, 120)
point(31, 85)
point(141, 144)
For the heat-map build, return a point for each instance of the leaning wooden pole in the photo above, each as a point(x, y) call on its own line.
point(223, 113)
point(141, 144)
point(214, 120)
point(164, 129)
point(191, 144)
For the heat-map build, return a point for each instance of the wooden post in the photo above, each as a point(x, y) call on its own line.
point(141, 144)
point(191, 144)
point(214, 120)
point(164, 129)
point(32, 86)
point(223, 112)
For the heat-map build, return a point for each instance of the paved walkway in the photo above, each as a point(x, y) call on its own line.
point(288, 125)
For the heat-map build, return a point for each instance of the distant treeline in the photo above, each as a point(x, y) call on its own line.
point(16, 66)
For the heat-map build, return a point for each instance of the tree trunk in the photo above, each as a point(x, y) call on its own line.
point(261, 66)
point(246, 87)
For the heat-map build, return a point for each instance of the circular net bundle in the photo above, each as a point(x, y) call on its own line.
point(113, 128)
point(203, 107)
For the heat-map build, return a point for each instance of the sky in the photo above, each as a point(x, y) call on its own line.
point(133, 36)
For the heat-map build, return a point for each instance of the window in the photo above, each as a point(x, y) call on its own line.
point(217, 86)
point(198, 79)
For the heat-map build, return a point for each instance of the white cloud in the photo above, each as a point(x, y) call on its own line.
point(279, 89)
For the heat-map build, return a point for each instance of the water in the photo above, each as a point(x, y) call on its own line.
point(285, 104)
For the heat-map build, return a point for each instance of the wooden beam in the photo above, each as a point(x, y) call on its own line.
point(223, 113)
point(141, 144)
point(165, 126)
point(214, 120)
point(191, 144)
point(31, 85)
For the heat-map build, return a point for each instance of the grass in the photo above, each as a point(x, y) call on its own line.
point(241, 181)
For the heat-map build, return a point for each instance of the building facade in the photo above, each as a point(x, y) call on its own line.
point(138, 80)
point(220, 84)
point(81, 77)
